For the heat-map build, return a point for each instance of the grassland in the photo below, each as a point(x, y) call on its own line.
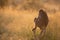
point(18, 25)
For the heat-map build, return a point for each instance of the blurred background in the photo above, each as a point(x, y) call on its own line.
point(17, 19)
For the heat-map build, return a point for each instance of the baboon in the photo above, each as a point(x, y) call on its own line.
point(41, 21)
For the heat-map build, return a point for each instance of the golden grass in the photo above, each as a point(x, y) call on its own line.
point(23, 23)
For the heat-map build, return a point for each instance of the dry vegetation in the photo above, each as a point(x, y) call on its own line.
point(17, 24)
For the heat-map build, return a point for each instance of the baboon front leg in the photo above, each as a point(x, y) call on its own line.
point(34, 29)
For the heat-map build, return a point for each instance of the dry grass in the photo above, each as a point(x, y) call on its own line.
point(22, 23)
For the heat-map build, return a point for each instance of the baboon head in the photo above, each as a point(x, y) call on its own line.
point(41, 11)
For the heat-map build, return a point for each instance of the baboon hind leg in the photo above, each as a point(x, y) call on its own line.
point(42, 33)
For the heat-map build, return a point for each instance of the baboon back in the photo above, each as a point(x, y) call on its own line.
point(42, 20)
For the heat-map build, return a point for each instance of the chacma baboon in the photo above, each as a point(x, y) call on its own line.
point(41, 21)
